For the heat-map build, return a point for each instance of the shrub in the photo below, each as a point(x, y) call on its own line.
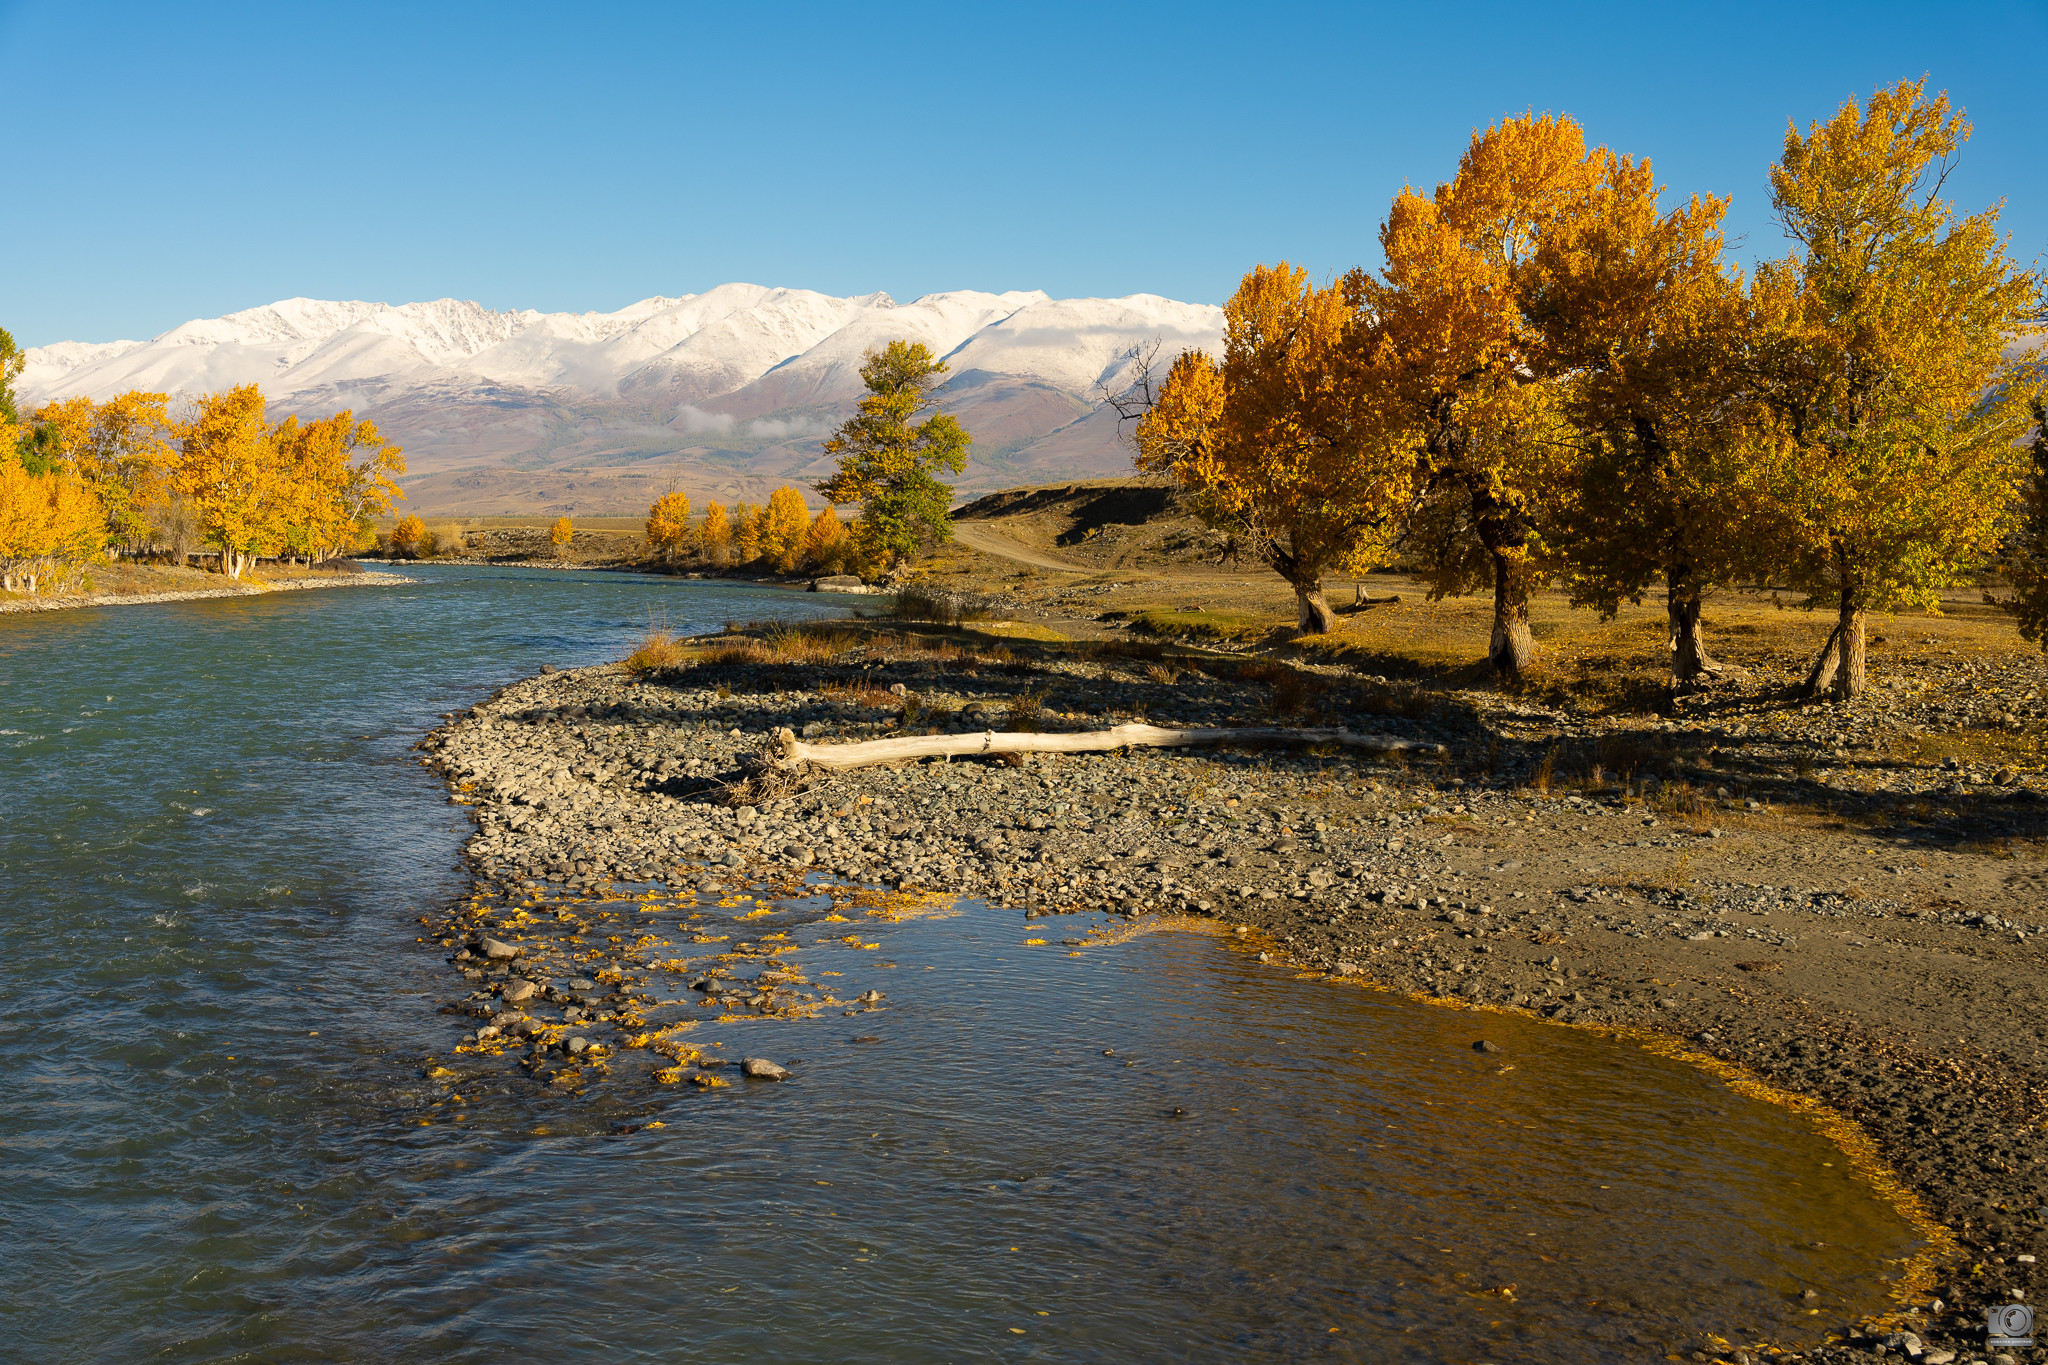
point(920, 604)
point(407, 534)
point(734, 654)
point(1027, 712)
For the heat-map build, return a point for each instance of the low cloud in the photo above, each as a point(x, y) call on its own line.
point(696, 419)
point(771, 429)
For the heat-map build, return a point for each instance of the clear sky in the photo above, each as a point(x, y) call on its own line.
point(165, 162)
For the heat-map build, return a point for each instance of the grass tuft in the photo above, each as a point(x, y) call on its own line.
point(658, 650)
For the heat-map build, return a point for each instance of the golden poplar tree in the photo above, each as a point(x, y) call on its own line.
point(783, 524)
point(1451, 353)
point(1640, 316)
point(714, 537)
point(2023, 559)
point(227, 468)
point(1885, 365)
point(337, 474)
point(746, 532)
point(825, 544)
point(560, 535)
point(1280, 443)
point(122, 450)
point(407, 534)
point(50, 523)
point(668, 524)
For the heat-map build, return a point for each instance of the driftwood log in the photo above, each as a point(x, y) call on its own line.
point(783, 759)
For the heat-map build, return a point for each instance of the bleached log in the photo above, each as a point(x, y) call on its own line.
point(786, 750)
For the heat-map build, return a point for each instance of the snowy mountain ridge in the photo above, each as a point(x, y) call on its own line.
point(460, 384)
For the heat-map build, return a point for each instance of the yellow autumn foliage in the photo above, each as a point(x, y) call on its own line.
point(668, 524)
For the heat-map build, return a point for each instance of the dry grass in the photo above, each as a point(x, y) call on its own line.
point(810, 644)
point(858, 694)
point(658, 649)
point(1195, 624)
point(1146, 650)
point(1027, 711)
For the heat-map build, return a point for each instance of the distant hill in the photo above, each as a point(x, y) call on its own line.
point(723, 394)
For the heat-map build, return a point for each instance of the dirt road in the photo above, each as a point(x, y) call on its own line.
point(979, 537)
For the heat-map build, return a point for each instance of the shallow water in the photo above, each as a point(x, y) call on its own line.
point(215, 844)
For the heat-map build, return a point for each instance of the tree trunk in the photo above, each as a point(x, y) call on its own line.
point(784, 747)
point(1840, 668)
point(1314, 616)
point(1850, 676)
point(1689, 658)
point(1512, 645)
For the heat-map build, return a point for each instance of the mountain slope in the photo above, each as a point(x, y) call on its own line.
point(722, 394)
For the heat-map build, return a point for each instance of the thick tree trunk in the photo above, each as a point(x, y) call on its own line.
point(1840, 669)
point(1314, 614)
point(1689, 658)
point(1512, 646)
point(1850, 676)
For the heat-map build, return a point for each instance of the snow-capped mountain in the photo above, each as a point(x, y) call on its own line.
point(722, 394)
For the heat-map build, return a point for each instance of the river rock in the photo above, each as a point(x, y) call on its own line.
point(516, 991)
point(760, 1068)
point(1484, 1046)
point(494, 949)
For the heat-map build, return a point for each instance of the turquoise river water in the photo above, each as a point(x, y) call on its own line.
point(214, 842)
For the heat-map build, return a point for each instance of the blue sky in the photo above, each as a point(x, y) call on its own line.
point(166, 162)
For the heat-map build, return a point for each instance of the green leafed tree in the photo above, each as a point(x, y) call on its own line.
point(1899, 405)
point(2024, 557)
point(891, 451)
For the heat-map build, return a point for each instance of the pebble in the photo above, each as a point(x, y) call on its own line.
point(760, 1068)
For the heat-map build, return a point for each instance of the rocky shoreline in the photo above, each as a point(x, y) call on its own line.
point(1865, 957)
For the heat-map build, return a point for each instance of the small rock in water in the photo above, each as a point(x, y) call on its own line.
point(1484, 1046)
point(581, 984)
point(577, 1044)
point(762, 1069)
point(495, 950)
point(871, 997)
point(516, 991)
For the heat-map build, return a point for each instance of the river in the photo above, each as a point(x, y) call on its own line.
point(215, 839)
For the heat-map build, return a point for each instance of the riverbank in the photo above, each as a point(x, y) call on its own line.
point(142, 597)
point(1870, 946)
